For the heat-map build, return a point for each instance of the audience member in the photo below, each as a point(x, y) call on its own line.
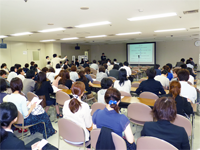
point(191, 61)
point(73, 74)
point(87, 74)
point(36, 68)
point(77, 63)
point(18, 66)
point(65, 78)
point(188, 64)
point(51, 74)
point(101, 74)
point(72, 63)
point(115, 61)
point(3, 76)
point(178, 64)
point(106, 69)
point(56, 60)
point(29, 83)
point(175, 72)
point(26, 67)
point(58, 68)
point(103, 57)
point(94, 65)
point(127, 68)
point(108, 62)
point(163, 79)
point(191, 78)
point(21, 73)
point(169, 75)
point(82, 61)
point(12, 73)
point(48, 64)
point(4, 67)
point(157, 68)
point(32, 63)
point(86, 64)
point(3, 88)
point(45, 70)
point(170, 66)
point(110, 67)
point(114, 72)
point(47, 59)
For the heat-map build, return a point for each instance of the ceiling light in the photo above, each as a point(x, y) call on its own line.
point(72, 38)
point(96, 36)
point(128, 33)
point(47, 40)
point(52, 30)
point(152, 16)
point(19, 34)
point(3, 36)
point(93, 24)
point(170, 30)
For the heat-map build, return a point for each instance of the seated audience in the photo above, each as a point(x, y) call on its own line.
point(48, 64)
point(127, 68)
point(106, 69)
point(115, 61)
point(188, 64)
point(21, 73)
point(86, 64)
point(58, 68)
point(45, 70)
point(170, 66)
point(150, 85)
point(105, 84)
point(3, 88)
point(87, 74)
point(123, 84)
point(187, 90)
point(44, 88)
point(175, 72)
point(157, 68)
point(78, 111)
point(32, 63)
point(29, 83)
point(4, 67)
point(94, 65)
point(169, 75)
point(66, 64)
point(18, 66)
point(163, 79)
point(101, 74)
point(51, 74)
point(73, 74)
point(191, 78)
point(114, 72)
point(12, 74)
point(164, 112)
point(108, 62)
point(110, 118)
point(82, 61)
point(26, 67)
point(21, 104)
point(110, 67)
point(77, 63)
point(120, 65)
point(65, 78)
point(36, 68)
point(72, 63)
point(191, 61)
point(3, 76)
point(178, 64)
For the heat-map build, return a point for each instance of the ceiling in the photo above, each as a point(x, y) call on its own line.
point(18, 16)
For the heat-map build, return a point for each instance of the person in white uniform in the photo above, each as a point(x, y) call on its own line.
point(57, 60)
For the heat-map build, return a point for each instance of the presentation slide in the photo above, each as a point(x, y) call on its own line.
point(141, 53)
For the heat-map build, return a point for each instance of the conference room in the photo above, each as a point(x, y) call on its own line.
point(123, 30)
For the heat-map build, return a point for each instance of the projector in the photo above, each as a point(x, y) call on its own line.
point(3, 45)
point(77, 47)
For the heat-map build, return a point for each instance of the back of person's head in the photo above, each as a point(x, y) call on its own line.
point(112, 96)
point(87, 70)
point(183, 75)
point(188, 61)
point(47, 57)
point(175, 70)
point(57, 66)
point(16, 84)
point(191, 58)
point(82, 76)
point(30, 74)
point(164, 109)
point(122, 76)
point(151, 73)
point(115, 59)
point(102, 69)
point(35, 65)
point(65, 67)
point(60, 62)
point(73, 68)
point(64, 74)
point(3, 65)
point(49, 62)
point(94, 61)
point(106, 83)
point(166, 67)
point(120, 64)
point(77, 89)
point(174, 89)
point(41, 79)
point(12, 68)
point(105, 66)
point(126, 63)
point(17, 66)
point(183, 60)
point(156, 66)
point(54, 55)
point(170, 65)
point(32, 63)
point(183, 66)
point(51, 69)
point(3, 85)
point(2, 72)
point(116, 67)
point(19, 71)
point(99, 62)
point(26, 65)
point(165, 72)
point(45, 69)
point(8, 114)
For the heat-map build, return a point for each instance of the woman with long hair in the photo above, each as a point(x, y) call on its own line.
point(73, 73)
point(65, 78)
point(77, 110)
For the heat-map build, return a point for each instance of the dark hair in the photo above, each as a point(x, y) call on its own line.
point(183, 75)
point(113, 94)
point(45, 69)
point(35, 66)
point(65, 67)
point(102, 69)
point(16, 84)
point(99, 62)
point(73, 68)
point(41, 78)
point(82, 76)
point(164, 72)
point(126, 63)
point(48, 62)
point(77, 89)
point(3, 85)
point(164, 108)
point(122, 76)
point(175, 70)
point(12, 68)
point(116, 67)
point(170, 65)
point(3, 65)
point(188, 61)
point(51, 69)
point(102, 53)
point(105, 66)
point(94, 61)
point(190, 70)
point(30, 74)
point(106, 83)
point(54, 55)
point(64, 74)
point(166, 67)
point(26, 65)
point(151, 73)
point(47, 57)
point(182, 59)
point(32, 63)
point(2, 72)
point(156, 66)
point(57, 66)
point(115, 59)
point(191, 58)
point(19, 71)
point(87, 70)
point(183, 66)
point(174, 89)
point(17, 66)
point(120, 64)
point(8, 113)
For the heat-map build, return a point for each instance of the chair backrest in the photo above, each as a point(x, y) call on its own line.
point(112, 78)
point(153, 143)
point(20, 118)
point(148, 95)
point(61, 97)
point(139, 112)
point(142, 79)
point(117, 140)
point(30, 96)
point(93, 71)
point(96, 82)
point(70, 131)
point(183, 122)
point(136, 84)
point(125, 94)
point(61, 86)
point(96, 106)
point(93, 76)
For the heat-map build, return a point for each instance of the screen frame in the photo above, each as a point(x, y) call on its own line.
point(142, 43)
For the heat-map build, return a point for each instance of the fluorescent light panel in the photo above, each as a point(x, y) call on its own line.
point(96, 36)
point(47, 40)
point(129, 33)
point(152, 16)
point(72, 38)
point(167, 30)
point(19, 34)
point(93, 24)
point(52, 30)
point(3, 36)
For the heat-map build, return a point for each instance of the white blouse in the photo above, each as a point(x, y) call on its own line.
point(126, 87)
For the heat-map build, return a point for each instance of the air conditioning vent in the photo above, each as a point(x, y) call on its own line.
point(111, 35)
point(190, 11)
point(70, 27)
point(194, 28)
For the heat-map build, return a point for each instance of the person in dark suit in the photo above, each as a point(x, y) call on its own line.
point(164, 111)
point(114, 72)
point(178, 64)
point(103, 57)
point(8, 140)
point(150, 85)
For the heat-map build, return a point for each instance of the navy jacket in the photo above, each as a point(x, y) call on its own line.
point(45, 89)
point(167, 131)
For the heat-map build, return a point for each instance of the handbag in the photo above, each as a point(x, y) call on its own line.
point(43, 103)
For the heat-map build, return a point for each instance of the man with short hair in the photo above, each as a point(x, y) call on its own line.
point(21, 73)
point(29, 83)
point(86, 64)
point(127, 68)
point(191, 61)
point(178, 64)
point(56, 60)
point(3, 76)
point(163, 79)
point(103, 57)
point(48, 64)
point(157, 68)
point(115, 61)
point(47, 59)
point(94, 65)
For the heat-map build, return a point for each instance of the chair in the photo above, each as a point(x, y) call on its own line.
point(30, 96)
point(93, 76)
point(20, 120)
point(125, 94)
point(61, 97)
point(61, 86)
point(70, 131)
point(135, 84)
point(112, 78)
point(96, 106)
point(142, 79)
point(139, 114)
point(117, 140)
point(148, 95)
point(96, 82)
point(93, 71)
point(153, 143)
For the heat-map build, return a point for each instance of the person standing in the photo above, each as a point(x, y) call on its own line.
point(103, 57)
point(56, 60)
